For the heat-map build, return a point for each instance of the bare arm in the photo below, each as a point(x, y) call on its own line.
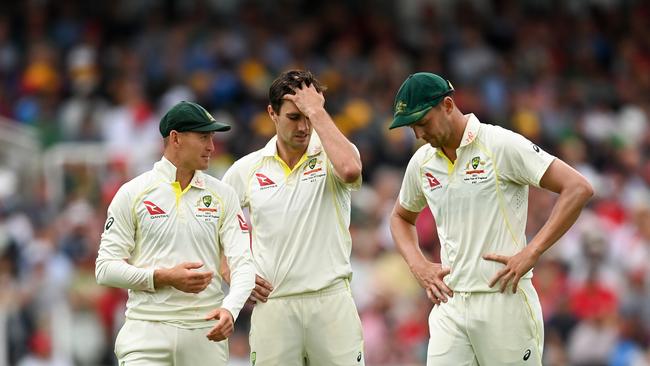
point(574, 192)
point(429, 275)
point(344, 158)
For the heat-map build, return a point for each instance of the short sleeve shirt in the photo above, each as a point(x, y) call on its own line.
point(480, 202)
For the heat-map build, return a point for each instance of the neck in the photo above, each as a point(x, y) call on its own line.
point(288, 155)
point(459, 123)
point(183, 175)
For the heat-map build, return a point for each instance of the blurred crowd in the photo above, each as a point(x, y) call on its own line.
point(572, 76)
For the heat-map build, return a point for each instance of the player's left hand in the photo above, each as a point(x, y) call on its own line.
point(515, 267)
point(224, 327)
point(307, 99)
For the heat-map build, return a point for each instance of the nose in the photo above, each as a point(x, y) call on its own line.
point(210, 145)
point(303, 124)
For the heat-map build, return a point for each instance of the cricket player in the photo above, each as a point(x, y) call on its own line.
point(297, 190)
point(165, 232)
point(475, 179)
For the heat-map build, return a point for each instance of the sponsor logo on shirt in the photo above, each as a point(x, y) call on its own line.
point(154, 210)
point(109, 223)
point(242, 223)
point(434, 183)
point(264, 181)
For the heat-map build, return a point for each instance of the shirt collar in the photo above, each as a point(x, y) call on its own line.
point(314, 147)
point(471, 130)
point(167, 170)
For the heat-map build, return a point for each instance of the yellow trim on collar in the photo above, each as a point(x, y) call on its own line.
point(450, 165)
point(285, 168)
point(176, 186)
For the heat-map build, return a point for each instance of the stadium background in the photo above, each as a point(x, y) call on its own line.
point(83, 85)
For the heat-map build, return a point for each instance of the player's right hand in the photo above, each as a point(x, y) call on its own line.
point(261, 291)
point(430, 276)
point(183, 278)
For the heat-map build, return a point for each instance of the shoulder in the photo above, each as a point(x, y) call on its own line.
point(423, 154)
point(246, 163)
point(497, 137)
point(220, 187)
point(140, 183)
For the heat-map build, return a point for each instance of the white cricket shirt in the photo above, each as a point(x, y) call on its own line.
point(479, 203)
point(300, 218)
point(153, 224)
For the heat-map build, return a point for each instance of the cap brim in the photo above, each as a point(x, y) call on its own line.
point(214, 126)
point(408, 119)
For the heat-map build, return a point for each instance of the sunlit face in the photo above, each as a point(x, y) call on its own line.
point(195, 149)
point(292, 127)
point(435, 127)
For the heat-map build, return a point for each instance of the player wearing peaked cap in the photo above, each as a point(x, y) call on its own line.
point(165, 233)
point(475, 179)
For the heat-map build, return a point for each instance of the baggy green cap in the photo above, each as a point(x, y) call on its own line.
point(189, 116)
point(418, 94)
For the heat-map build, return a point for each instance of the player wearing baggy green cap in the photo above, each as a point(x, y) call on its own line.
point(165, 232)
point(475, 177)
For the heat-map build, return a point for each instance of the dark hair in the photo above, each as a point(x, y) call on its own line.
point(287, 82)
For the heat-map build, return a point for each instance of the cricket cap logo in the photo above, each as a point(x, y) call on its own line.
point(400, 107)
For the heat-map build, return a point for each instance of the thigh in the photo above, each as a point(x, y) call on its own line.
point(507, 329)
point(276, 335)
point(141, 343)
point(333, 331)
point(193, 348)
point(448, 341)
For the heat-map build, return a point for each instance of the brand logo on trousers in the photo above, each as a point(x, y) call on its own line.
point(359, 357)
point(153, 209)
point(527, 355)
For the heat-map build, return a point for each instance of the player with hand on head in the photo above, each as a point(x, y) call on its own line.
point(475, 179)
point(297, 190)
point(165, 232)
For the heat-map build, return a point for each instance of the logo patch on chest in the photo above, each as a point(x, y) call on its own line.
point(206, 209)
point(313, 169)
point(475, 171)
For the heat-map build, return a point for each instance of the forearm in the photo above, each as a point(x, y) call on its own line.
point(564, 214)
point(339, 149)
point(119, 273)
point(406, 240)
point(242, 281)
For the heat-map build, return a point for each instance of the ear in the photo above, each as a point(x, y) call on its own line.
point(448, 105)
point(174, 137)
point(272, 114)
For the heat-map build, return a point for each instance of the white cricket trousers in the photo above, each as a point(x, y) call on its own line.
point(145, 343)
point(320, 328)
point(488, 329)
